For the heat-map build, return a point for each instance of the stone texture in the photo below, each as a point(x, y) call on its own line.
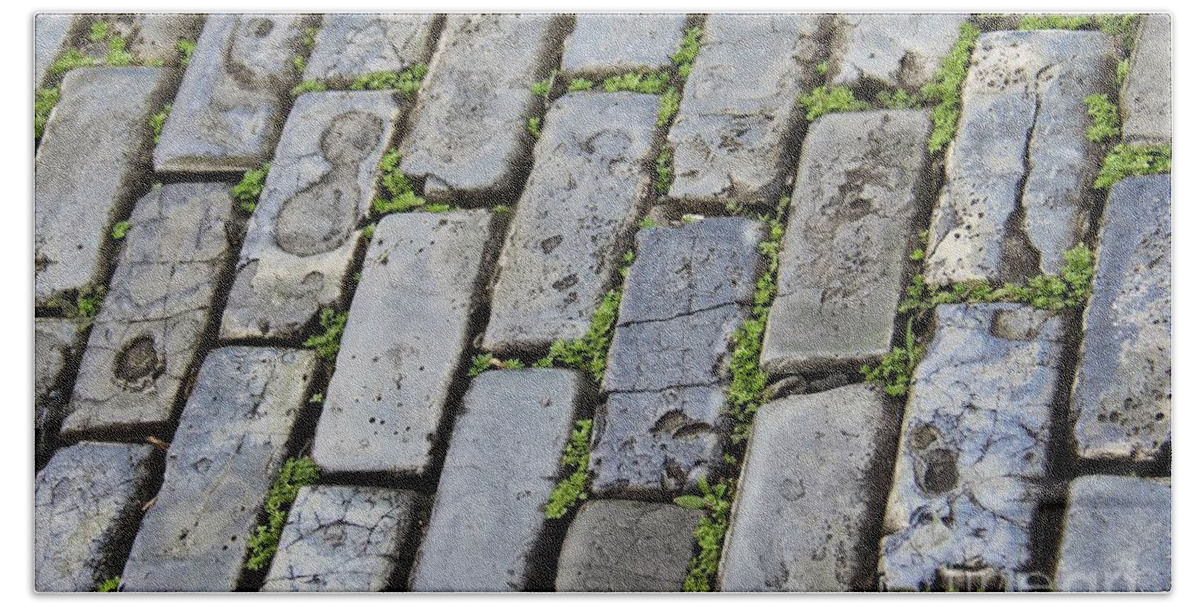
point(408, 327)
point(1116, 535)
point(150, 39)
point(487, 525)
point(56, 348)
point(86, 500)
point(604, 45)
point(1019, 173)
point(1121, 403)
point(231, 442)
point(93, 159)
point(859, 191)
point(234, 94)
point(302, 237)
point(343, 538)
point(891, 51)
point(811, 493)
point(1146, 96)
point(973, 449)
point(589, 185)
point(687, 292)
point(51, 35)
point(626, 546)
point(153, 324)
point(352, 45)
point(468, 134)
point(740, 110)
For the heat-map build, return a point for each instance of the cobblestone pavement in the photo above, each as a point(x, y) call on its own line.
point(779, 302)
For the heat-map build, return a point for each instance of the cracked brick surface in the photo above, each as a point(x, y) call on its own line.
point(890, 50)
point(354, 45)
point(56, 347)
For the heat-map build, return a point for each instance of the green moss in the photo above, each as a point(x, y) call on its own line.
point(117, 55)
point(83, 307)
point(120, 229)
point(70, 60)
point(1123, 27)
point(1054, 22)
point(158, 120)
point(369, 232)
point(408, 82)
point(1122, 71)
point(534, 126)
point(44, 101)
point(186, 48)
point(689, 47)
point(824, 100)
point(247, 191)
point(328, 342)
point(637, 82)
point(894, 372)
point(668, 106)
point(98, 32)
point(484, 361)
point(709, 532)
point(1125, 161)
point(589, 353)
point(1105, 121)
point(580, 84)
point(664, 171)
point(295, 474)
point(570, 490)
point(309, 86)
point(898, 100)
point(110, 585)
point(945, 90)
point(396, 191)
point(823, 68)
point(542, 87)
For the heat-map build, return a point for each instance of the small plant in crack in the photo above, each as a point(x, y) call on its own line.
point(309, 86)
point(44, 101)
point(246, 192)
point(397, 192)
point(543, 87)
point(407, 82)
point(1105, 121)
point(647, 222)
point(668, 107)
point(534, 126)
point(714, 501)
point(120, 229)
point(947, 85)
point(652, 83)
point(689, 47)
point(485, 361)
point(824, 100)
point(158, 120)
point(898, 99)
point(1125, 160)
point(186, 48)
point(328, 342)
point(580, 84)
point(109, 585)
point(894, 371)
point(571, 489)
point(295, 474)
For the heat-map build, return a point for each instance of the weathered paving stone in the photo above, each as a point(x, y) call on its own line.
point(87, 499)
point(589, 185)
point(890, 50)
point(408, 326)
point(351, 45)
point(1019, 173)
point(343, 538)
point(51, 34)
point(154, 319)
point(56, 348)
point(468, 130)
point(741, 109)
point(155, 36)
point(1116, 536)
point(231, 442)
point(234, 94)
point(605, 45)
point(487, 522)
point(811, 493)
point(93, 158)
point(973, 449)
point(302, 237)
point(1121, 404)
point(1146, 97)
point(625, 546)
point(688, 291)
point(858, 193)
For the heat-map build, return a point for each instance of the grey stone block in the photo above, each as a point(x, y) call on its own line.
point(811, 493)
point(231, 442)
point(51, 35)
point(234, 94)
point(93, 159)
point(487, 523)
point(153, 324)
point(589, 185)
point(468, 129)
point(891, 50)
point(1116, 535)
point(859, 191)
point(155, 36)
point(86, 500)
point(691, 350)
point(56, 347)
point(608, 44)
point(302, 237)
point(352, 45)
point(1121, 403)
point(408, 326)
point(1146, 96)
point(343, 538)
point(740, 107)
point(973, 449)
point(626, 546)
point(1019, 173)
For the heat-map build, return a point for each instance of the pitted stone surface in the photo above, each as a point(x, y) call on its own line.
point(627, 546)
point(1121, 404)
point(811, 492)
point(154, 320)
point(231, 442)
point(1019, 173)
point(408, 326)
point(604, 45)
point(234, 94)
point(51, 35)
point(56, 348)
point(589, 185)
point(891, 50)
point(1146, 97)
point(859, 191)
point(352, 45)
point(302, 237)
point(150, 39)
point(93, 158)
point(343, 538)
point(86, 500)
point(1116, 535)
point(468, 130)
point(741, 109)
point(502, 463)
point(973, 448)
